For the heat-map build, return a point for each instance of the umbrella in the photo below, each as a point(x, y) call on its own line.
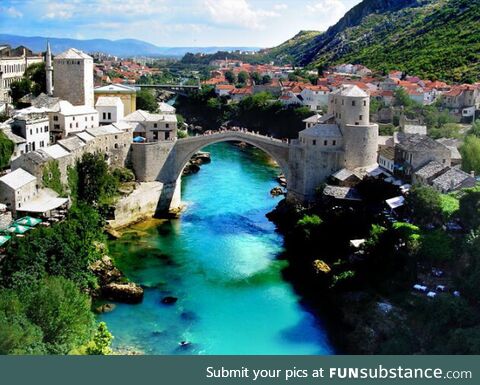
point(139, 139)
point(18, 229)
point(4, 239)
point(28, 221)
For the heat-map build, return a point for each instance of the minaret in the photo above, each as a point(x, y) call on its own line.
point(49, 70)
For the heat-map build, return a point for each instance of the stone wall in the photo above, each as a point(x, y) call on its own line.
point(141, 204)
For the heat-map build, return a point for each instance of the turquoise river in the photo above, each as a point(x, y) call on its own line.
point(220, 260)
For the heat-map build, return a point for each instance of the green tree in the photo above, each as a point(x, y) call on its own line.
point(51, 177)
point(242, 77)
point(100, 346)
point(424, 204)
point(146, 100)
point(36, 73)
point(401, 98)
point(470, 151)
point(66, 249)
point(256, 77)
point(475, 130)
point(62, 312)
point(18, 89)
point(308, 225)
point(6, 150)
point(95, 182)
point(230, 77)
point(266, 79)
point(17, 334)
point(469, 210)
point(436, 246)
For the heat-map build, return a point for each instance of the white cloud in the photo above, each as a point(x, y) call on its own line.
point(280, 7)
point(61, 11)
point(132, 7)
point(334, 8)
point(11, 11)
point(238, 13)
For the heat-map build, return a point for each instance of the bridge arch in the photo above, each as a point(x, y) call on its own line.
point(278, 151)
point(184, 149)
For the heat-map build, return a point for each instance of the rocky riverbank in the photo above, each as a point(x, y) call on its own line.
point(113, 286)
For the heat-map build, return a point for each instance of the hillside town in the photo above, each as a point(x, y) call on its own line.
point(84, 110)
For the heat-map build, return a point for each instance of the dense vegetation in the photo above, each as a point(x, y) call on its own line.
point(45, 277)
point(33, 82)
point(259, 112)
point(6, 150)
point(368, 291)
point(437, 39)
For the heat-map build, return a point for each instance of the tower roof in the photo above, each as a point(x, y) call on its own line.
point(350, 90)
point(73, 53)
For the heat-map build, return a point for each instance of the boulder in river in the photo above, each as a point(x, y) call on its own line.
point(105, 308)
point(123, 292)
point(169, 300)
point(276, 191)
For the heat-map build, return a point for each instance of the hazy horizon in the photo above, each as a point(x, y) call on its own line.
point(169, 23)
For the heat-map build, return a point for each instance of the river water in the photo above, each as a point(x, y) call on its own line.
point(219, 260)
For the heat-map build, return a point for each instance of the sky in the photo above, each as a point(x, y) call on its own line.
point(168, 23)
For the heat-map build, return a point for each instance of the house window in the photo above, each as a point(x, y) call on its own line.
point(364, 103)
point(360, 117)
point(343, 102)
point(325, 142)
point(155, 125)
point(56, 126)
point(31, 132)
point(314, 142)
point(353, 103)
point(167, 125)
point(36, 130)
point(109, 116)
point(55, 118)
point(92, 118)
point(356, 123)
point(104, 116)
point(116, 145)
point(74, 118)
point(334, 143)
point(86, 118)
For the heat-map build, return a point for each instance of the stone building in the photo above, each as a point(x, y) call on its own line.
point(127, 94)
point(153, 127)
point(73, 77)
point(413, 151)
point(110, 109)
point(17, 188)
point(113, 141)
point(66, 119)
point(344, 138)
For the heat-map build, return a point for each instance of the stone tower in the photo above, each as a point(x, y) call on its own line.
point(349, 106)
point(49, 70)
point(73, 77)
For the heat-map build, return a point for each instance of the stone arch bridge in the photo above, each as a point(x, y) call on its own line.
point(165, 161)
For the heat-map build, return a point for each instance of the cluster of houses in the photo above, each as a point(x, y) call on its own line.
point(112, 70)
point(59, 127)
point(462, 101)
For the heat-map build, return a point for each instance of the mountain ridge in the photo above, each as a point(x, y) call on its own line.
point(437, 39)
point(121, 47)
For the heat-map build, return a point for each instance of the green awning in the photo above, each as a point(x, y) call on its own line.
point(28, 221)
point(4, 239)
point(18, 229)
